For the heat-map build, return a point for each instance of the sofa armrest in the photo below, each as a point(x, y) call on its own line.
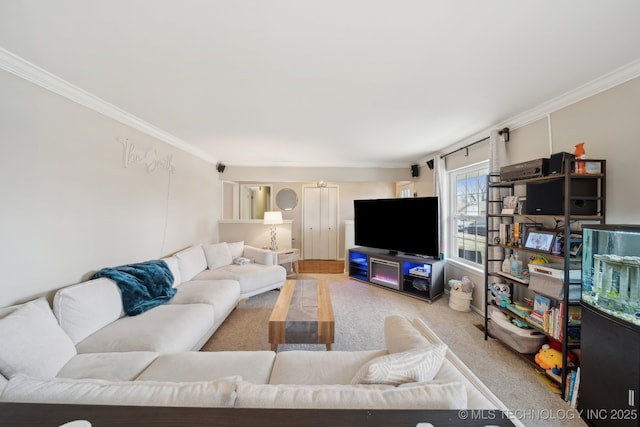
point(259, 256)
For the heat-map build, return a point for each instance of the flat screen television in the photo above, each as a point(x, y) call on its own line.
point(408, 225)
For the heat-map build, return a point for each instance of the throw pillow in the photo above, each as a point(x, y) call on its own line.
point(218, 255)
point(417, 365)
point(236, 248)
point(191, 262)
point(86, 307)
point(33, 343)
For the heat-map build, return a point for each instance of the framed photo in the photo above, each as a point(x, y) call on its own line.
point(527, 227)
point(520, 208)
point(509, 204)
point(540, 240)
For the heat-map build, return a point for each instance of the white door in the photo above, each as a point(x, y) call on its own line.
point(320, 223)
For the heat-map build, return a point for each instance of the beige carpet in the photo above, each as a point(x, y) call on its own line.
point(360, 309)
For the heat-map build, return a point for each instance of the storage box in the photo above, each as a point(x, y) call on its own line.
point(527, 341)
point(548, 279)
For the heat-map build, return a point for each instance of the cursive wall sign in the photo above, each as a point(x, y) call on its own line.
point(149, 157)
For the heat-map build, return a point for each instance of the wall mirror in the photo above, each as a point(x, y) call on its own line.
point(287, 199)
point(255, 200)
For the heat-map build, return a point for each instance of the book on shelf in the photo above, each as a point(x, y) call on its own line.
point(575, 387)
point(541, 304)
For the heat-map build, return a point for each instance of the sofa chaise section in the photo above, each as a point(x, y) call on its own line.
point(253, 268)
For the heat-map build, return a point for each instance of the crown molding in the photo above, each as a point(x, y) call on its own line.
point(30, 72)
point(36, 75)
point(614, 78)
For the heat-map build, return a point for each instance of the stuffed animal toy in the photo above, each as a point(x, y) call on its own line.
point(549, 358)
point(500, 293)
point(466, 284)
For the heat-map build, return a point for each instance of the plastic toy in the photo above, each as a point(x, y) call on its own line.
point(549, 358)
point(500, 293)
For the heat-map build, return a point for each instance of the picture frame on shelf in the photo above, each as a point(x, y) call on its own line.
point(527, 227)
point(509, 205)
point(540, 240)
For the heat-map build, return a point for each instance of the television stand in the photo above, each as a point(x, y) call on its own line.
point(410, 275)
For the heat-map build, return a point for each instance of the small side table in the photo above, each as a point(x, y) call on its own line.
point(289, 256)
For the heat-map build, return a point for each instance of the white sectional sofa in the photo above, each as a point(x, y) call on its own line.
point(84, 350)
point(415, 371)
point(209, 286)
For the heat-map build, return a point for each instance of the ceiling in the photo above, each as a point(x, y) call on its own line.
point(342, 83)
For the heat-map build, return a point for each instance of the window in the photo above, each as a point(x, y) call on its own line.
point(468, 219)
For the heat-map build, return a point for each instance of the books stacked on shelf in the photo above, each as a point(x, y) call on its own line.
point(515, 234)
point(549, 318)
point(572, 387)
point(541, 309)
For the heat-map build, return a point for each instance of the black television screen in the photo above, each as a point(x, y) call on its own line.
point(408, 225)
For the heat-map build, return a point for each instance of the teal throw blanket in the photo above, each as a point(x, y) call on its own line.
point(143, 286)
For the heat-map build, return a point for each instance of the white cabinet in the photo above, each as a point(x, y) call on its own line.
point(320, 223)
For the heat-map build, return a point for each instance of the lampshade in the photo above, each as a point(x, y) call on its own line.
point(273, 217)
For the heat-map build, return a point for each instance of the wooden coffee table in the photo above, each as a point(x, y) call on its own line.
point(302, 315)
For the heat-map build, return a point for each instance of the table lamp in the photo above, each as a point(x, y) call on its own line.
point(272, 219)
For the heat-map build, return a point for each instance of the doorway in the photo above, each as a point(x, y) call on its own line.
point(320, 223)
point(255, 200)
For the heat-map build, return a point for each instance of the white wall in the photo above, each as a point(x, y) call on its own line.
point(608, 125)
point(69, 206)
point(607, 122)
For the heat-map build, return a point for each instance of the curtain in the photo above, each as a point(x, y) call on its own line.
point(440, 190)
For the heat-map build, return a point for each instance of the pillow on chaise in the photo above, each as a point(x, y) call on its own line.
point(236, 248)
point(33, 343)
point(218, 255)
point(417, 365)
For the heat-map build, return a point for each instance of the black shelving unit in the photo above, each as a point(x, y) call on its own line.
point(589, 208)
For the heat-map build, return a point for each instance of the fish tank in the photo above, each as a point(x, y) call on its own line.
point(611, 270)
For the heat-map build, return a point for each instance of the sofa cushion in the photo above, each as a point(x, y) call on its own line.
point(213, 394)
point(320, 367)
point(251, 277)
point(172, 263)
point(236, 248)
point(191, 261)
point(116, 366)
point(254, 366)
point(223, 295)
point(218, 255)
point(400, 335)
point(165, 329)
point(418, 396)
point(84, 308)
point(417, 365)
point(32, 342)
